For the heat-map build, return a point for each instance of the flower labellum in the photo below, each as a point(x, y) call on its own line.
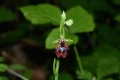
point(61, 48)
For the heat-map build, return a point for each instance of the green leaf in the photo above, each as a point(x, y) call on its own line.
point(108, 35)
point(106, 67)
point(42, 14)
point(102, 51)
point(117, 18)
point(106, 51)
point(109, 79)
point(86, 76)
point(14, 35)
point(71, 3)
point(17, 67)
point(83, 21)
point(92, 5)
point(65, 76)
point(27, 74)
point(55, 34)
point(101, 6)
point(3, 78)
point(62, 76)
point(6, 15)
point(3, 67)
point(1, 59)
point(116, 2)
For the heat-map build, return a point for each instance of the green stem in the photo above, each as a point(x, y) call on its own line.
point(56, 64)
point(62, 33)
point(56, 77)
point(78, 59)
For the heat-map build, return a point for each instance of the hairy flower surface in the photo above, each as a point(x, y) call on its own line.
point(61, 48)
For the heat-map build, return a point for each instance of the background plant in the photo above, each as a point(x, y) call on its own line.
point(99, 49)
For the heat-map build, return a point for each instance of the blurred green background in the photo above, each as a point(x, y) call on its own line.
point(28, 28)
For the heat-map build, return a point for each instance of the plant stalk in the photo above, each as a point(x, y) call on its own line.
point(78, 60)
point(56, 64)
point(56, 77)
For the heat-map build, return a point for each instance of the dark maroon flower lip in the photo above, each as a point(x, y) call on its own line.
point(61, 49)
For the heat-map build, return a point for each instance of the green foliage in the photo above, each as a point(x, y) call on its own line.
point(28, 74)
point(92, 5)
point(3, 78)
point(6, 15)
point(83, 21)
point(3, 67)
point(106, 67)
point(86, 76)
point(42, 14)
point(117, 18)
point(109, 79)
point(101, 5)
point(71, 3)
point(108, 35)
point(116, 2)
point(103, 59)
point(54, 34)
point(102, 51)
point(18, 67)
point(14, 35)
point(1, 59)
point(106, 51)
point(63, 76)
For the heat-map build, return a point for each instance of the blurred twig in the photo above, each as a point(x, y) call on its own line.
point(16, 74)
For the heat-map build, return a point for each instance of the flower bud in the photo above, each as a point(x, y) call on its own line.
point(63, 16)
point(69, 22)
